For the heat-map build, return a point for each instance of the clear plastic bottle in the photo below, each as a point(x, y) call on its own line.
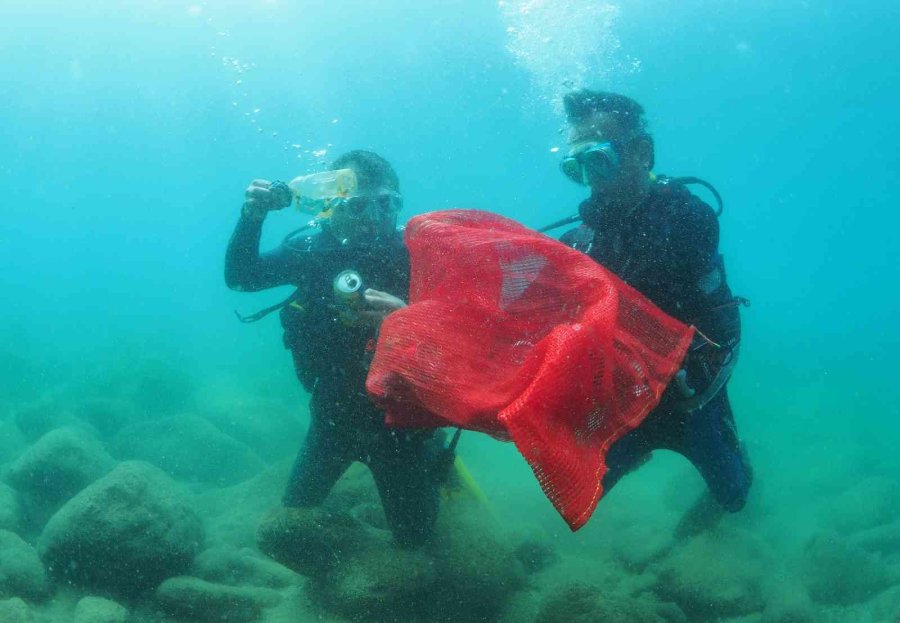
point(309, 190)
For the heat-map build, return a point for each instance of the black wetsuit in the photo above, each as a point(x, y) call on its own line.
point(667, 249)
point(331, 358)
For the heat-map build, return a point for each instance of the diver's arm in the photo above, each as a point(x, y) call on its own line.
point(245, 268)
point(694, 242)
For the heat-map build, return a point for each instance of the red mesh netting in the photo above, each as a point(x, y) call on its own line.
point(514, 334)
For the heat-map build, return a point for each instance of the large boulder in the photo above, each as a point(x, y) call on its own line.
point(194, 599)
point(10, 509)
point(188, 447)
point(15, 611)
point(869, 503)
point(21, 572)
point(99, 610)
point(882, 540)
point(467, 574)
point(36, 419)
point(582, 603)
point(718, 574)
point(107, 415)
point(313, 541)
point(787, 601)
point(54, 469)
point(154, 387)
point(838, 572)
point(886, 606)
point(232, 515)
point(273, 429)
point(123, 534)
point(475, 563)
point(242, 567)
point(11, 441)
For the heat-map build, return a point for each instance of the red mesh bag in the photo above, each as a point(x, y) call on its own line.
point(514, 334)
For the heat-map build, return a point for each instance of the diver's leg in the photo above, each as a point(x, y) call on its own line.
point(402, 466)
point(321, 461)
point(711, 444)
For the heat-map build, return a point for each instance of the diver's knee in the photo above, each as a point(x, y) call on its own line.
point(736, 504)
point(733, 497)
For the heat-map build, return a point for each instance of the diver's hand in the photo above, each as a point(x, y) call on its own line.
point(263, 196)
point(378, 305)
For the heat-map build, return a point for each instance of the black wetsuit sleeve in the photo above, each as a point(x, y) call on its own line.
point(695, 241)
point(246, 269)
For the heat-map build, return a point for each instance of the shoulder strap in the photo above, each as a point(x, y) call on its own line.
point(686, 180)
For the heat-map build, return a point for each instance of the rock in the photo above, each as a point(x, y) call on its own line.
point(190, 448)
point(273, 429)
point(15, 611)
point(582, 603)
point(21, 571)
point(788, 602)
point(381, 583)
point(233, 515)
point(124, 533)
point(11, 441)
point(97, 610)
point(55, 468)
point(356, 491)
point(242, 567)
point(884, 540)
point(476, 566)
point(10, 509)
point(153, 386)
point(535, 555)
point(313, 541)
point(198, 600)
point(107, 415)
point(717, 574)
point(36, 419)
point(467, 574)
point(869, 503)
point(792, 612)
point(886, 607)
point(638, 544)
point(837, 572)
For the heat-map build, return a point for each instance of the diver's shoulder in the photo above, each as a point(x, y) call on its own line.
point(676, 199)
point(303, 242)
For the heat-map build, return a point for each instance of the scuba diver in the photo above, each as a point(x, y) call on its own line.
point(655, 235)
point(330, 324)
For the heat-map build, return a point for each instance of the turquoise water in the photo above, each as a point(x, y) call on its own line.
point(130, 130)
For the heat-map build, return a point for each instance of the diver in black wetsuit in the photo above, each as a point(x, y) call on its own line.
point(331, 342)
point(663, 241)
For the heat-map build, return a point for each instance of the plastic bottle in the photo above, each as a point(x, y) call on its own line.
point(310, 190)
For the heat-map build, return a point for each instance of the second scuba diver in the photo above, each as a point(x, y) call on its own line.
point(342, 275)
point(663, 241)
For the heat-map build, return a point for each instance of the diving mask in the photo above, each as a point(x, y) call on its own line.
point(591, 162)
point(369, 207)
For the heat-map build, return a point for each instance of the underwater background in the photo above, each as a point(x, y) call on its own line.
point(129, 131)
